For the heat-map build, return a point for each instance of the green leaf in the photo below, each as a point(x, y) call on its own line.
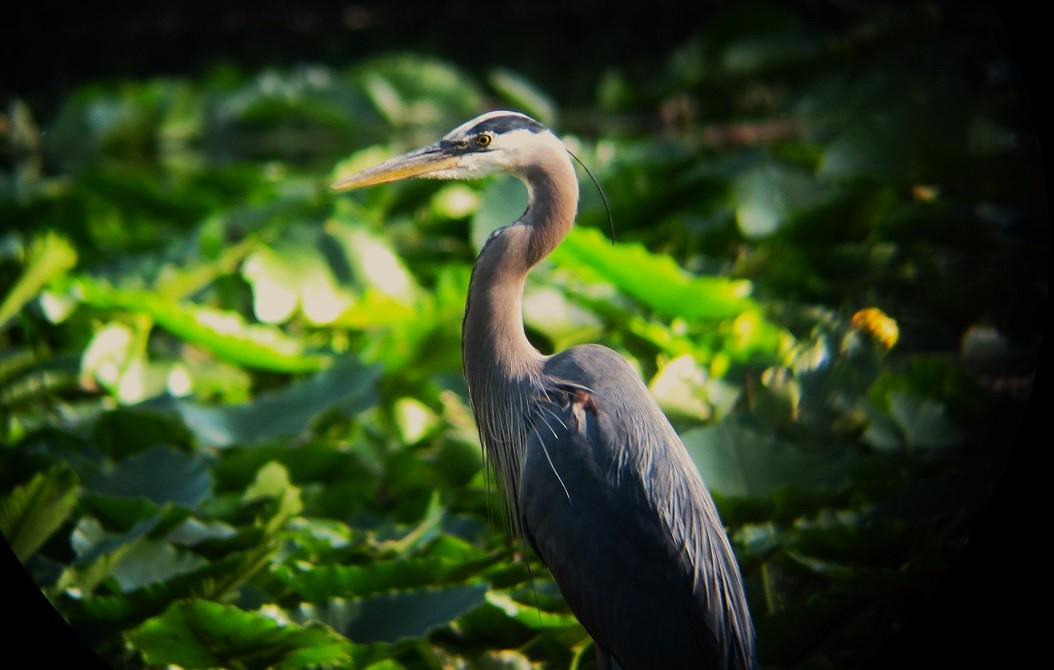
point(394, 616)
point(153, 561)
point(272, 481)
point(739, 461)
point(31, 513)
point(925, 422)
point(49, 255)
point(529, 615)
point(316, 583)
point(347, 386)
point(224, 333)
point(293, 276)
point(655, 280)
point(160, 474)
point(201, 634)
point(564, 322)
point(523, 95)
point(103, 615)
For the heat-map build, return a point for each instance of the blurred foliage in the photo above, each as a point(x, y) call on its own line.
point(235, 432)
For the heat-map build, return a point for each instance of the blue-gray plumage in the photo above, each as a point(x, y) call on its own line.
point(597, 479)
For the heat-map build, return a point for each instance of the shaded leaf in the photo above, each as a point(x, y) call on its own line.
point(394, 616)
point(739, 461)
point(347, 385)
point(160, 474)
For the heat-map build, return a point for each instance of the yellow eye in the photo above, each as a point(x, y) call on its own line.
point(483, 140)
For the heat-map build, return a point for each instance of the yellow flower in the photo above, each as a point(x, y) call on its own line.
point(878, 325)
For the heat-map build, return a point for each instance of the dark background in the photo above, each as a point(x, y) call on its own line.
point(980, 613)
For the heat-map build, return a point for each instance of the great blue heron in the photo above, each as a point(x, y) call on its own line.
point(597, 480)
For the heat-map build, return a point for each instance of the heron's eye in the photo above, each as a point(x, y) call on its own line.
point(482, 140)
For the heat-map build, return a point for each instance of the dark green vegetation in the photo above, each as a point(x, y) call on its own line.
point(234, 428)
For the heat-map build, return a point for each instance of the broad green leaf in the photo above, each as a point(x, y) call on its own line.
point(373, 262)
point(413, 419)
point(224, 333)
point(32, 512)
point(389, 617)
point(153, 561)
point(564, 322)
point(97, 552)
point(292, 277)
point(529, 615)
point(455, 201)
point(738, 461)
point(202, 634)
point(410, 90)
point(48, 256)
point(160, 474)
point(104, 615)
point(129, 430)
point(347, 386)
point(925, 422)
point(316, 583)
point(680, 389)
point(654, 280)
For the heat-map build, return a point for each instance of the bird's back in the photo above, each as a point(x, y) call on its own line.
point(615, 507)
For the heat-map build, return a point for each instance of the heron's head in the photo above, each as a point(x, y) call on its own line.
point(495, 142)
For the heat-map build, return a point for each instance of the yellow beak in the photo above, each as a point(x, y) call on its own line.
point(414, 164)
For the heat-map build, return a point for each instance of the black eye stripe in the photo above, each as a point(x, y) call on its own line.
point(503, 124)
point(469, 141)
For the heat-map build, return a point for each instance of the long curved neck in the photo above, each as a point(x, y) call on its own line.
point(500, 363)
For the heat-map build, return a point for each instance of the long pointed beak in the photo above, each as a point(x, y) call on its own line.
point(432, 158)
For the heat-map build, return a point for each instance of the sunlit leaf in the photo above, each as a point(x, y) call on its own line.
point(413, 419)
point(32, 512)
point(224, 333)
point(272, 481)
point(654, 280)
point(202, 634)
point(455, 201)
point(104, 615)
point(529, 615)
point(679, 389)
point(48, 256)
point(548, 311)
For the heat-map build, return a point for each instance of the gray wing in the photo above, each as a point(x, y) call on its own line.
point(616, 509)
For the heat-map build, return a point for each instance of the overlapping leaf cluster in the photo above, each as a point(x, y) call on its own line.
point(235, 432)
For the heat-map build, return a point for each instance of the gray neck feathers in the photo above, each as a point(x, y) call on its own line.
point(503, 370)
